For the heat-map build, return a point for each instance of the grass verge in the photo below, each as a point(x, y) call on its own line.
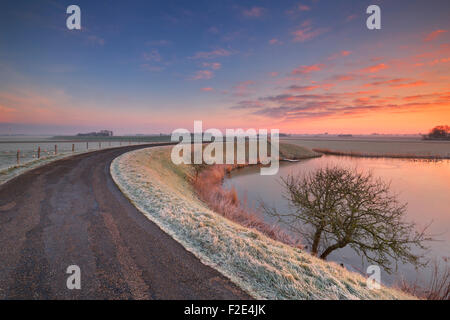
point(15, 170)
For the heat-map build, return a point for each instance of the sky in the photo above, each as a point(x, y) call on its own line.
point(308, 66)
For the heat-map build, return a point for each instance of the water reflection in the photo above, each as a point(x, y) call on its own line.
point(423, 184)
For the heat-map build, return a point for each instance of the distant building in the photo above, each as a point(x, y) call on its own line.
point(106, 133)
point(101, 133)
point(345, 135)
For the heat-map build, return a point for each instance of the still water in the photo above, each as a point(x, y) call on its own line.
point(424, 186)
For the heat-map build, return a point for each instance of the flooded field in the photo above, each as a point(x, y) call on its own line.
point(424, 185)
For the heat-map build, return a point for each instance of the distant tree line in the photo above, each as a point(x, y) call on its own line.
point(438, 133)
point(101, 133)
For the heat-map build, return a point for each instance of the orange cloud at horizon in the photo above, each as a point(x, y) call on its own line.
point(388, 123)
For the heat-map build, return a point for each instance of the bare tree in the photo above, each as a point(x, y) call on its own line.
point(336, 207)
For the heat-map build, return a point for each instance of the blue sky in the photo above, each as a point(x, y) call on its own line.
point(152, 66)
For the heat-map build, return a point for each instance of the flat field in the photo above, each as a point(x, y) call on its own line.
point(380, 146)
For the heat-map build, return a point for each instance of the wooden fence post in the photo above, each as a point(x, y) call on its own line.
point(87, 145)
point(99, 145)
point(39, 152)
point(18, 156)
point(73, 147)
point(56, 149)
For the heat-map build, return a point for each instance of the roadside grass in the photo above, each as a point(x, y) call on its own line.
point(15, 170)
point(265, 268)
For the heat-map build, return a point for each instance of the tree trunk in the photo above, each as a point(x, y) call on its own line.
point(330, 249)
point(316, 241)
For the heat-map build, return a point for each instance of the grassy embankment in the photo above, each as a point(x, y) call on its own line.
point(208, 186)
point(265, 268)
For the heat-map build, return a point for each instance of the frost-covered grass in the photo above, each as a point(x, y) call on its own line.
point(265, 268)
point(13, 171)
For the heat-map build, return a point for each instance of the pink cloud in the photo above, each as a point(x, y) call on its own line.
point(160, 43)
point(343, 53)
point(303, 7)
point(5, 113)
point(410, 84)
point(207, 89)
point(212, 65)
point(298, 8)
point(437, 61)
point(248, 104)
point(433, 35)
point(387, 82)
point(306, 23)
point(361, 101)
point(213, 30)
point(49, 106)
point(202, 75)
point(96, 40)
point(5, 109)
point(325, 86)
point(254, 12)
point(345, 78)
point(242, 88)
point(308, 69)
point(375, 68)
point(274, 41)
point(351, 17)
point(212, 54)
point(151, 68)
point(153, 56)
point(306, 32)
point(303, 88)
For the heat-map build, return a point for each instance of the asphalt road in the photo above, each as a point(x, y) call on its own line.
point(70, 212)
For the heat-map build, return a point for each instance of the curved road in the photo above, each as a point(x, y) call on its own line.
point(70, 212)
